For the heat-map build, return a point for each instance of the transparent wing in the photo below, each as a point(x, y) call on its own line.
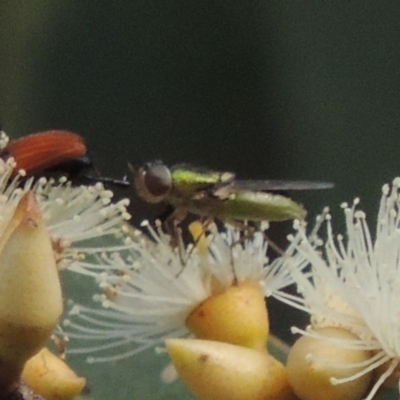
point(279, 185)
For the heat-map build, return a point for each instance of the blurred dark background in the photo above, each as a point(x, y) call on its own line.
point(268, 89)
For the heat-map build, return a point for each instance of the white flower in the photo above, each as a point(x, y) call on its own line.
point(74, 216)
point(149, 291)
point(355, 283)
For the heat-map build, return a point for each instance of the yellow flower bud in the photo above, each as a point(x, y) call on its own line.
point(238, 315)
point(216, 370)
point(30, 291)
point(51, 378)
point(312, 363)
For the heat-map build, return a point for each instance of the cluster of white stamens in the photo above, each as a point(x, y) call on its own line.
point(74, 216)
point(150, 289)
point(355, 283)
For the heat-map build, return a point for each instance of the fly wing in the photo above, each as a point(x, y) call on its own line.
point(279, 185)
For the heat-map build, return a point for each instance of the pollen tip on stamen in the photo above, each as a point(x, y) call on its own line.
point(385, 189)
point(97, 298)
point(11, 163)
point(359, 214)
point(160, 350)
point(296, 224)
point(42, 181)
point(125, 202)
point(126, 216)
point(264, 226)
point(74, 310)
point(333, 381)
point(21, 173)
point(128, 240)
point(125, 228)
point(328, 217)
point(396, 182)
point(348, 212)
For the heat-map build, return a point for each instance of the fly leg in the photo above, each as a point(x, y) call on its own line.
point(175, 232)
point(197, 237)
point(249, 231)
point(179, 240)
point(171, 223)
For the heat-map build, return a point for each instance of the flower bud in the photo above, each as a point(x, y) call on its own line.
point(50, 377)
point(314, 363)
point(215, 371)
point(30, 291)
point(238, 315)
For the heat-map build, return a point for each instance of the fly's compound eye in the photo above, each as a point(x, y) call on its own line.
point(153, 182)
point(157, 179)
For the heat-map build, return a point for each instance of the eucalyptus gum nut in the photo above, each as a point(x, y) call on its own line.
point(51, 377)
point(215, 371)
point(30, 291)
point(312, 362)
point(238, 315)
